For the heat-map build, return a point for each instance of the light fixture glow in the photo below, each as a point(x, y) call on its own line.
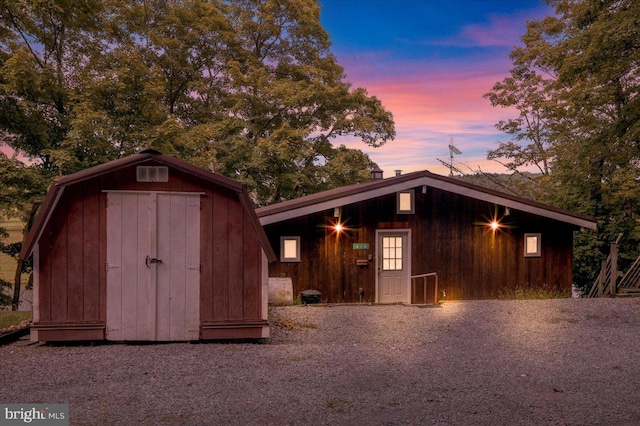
point(338, 227)
point(494, 225)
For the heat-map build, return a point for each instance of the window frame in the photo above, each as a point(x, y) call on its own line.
point(538, 252)
point(283, 241)
point(412, 201)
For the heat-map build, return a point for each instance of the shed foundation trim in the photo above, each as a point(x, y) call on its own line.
point(235, 330)
point(43, 332)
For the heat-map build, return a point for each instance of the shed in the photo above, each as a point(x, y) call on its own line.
point(374, 241)
point(148, 248)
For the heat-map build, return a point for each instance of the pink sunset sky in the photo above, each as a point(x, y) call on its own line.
point(430, 62)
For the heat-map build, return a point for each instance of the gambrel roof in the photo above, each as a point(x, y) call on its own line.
point(364, 191)
point(58, 186)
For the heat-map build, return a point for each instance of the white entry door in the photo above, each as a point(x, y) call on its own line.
point(153, 266)
point(393, 267)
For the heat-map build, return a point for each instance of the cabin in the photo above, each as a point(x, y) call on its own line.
point(148, 248)
point(420, 238)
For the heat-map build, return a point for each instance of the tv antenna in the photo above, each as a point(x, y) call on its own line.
point(451, 167)
point(452, 150)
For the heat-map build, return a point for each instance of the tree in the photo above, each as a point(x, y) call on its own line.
point(21, 188)
point(247, 88)
point(43, 45)
point(588, 54)
point(287, 100)
point(526, 90)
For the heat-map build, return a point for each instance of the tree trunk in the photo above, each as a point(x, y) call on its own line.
point(17, 281)
point(16, 286)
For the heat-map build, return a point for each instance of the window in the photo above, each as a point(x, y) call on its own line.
point(152, 174)
point(289, 249)
point(406, 202)
point(532, 245)
point(391, 253)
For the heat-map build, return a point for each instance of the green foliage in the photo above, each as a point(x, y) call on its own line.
point(247, 88)
point(8, 319)
point(5, 299)
point(532, 293)
point(577, 76)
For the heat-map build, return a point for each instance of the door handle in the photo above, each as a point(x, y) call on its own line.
point(149, 260)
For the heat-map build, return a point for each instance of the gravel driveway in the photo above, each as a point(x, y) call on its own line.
point(558, 362)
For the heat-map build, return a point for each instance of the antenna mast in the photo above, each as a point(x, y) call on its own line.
point(452, 150)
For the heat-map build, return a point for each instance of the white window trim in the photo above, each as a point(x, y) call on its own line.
point(538, 252)
point(282, 244)
point(412, 195)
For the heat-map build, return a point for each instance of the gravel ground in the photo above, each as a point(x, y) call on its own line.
point(550, 362)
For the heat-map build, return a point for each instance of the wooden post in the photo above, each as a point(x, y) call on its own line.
point(424, 290)
point(435, 291)
point(614, 268)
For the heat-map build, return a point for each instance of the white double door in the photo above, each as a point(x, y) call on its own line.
point(153, 266)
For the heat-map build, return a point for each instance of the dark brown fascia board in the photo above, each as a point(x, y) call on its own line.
point(57, 188)
point(355, 193)
point(44, 212)
point(333, 194)
point(144, 157)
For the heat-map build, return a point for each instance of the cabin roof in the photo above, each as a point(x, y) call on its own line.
point(364, 191)
point(58, 186)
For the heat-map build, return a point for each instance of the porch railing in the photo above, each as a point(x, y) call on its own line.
point(424, 277)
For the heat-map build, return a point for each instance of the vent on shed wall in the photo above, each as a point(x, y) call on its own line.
point(152, 174)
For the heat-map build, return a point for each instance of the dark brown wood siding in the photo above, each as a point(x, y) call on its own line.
point(72, 251)
point(449, 235)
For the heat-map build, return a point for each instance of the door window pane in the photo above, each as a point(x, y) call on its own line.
point(391, 253)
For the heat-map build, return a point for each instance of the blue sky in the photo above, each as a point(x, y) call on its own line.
point(430, 62)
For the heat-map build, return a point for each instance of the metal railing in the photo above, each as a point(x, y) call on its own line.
point(435, 291)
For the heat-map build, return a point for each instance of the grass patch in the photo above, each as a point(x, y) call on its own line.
point(532, 293)
point(9, 318)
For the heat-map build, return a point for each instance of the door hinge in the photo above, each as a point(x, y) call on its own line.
point(195, 268)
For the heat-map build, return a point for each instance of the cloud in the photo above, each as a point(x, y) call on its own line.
point(432, 103)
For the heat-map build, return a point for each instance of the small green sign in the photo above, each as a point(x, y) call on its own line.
point(361, 246)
